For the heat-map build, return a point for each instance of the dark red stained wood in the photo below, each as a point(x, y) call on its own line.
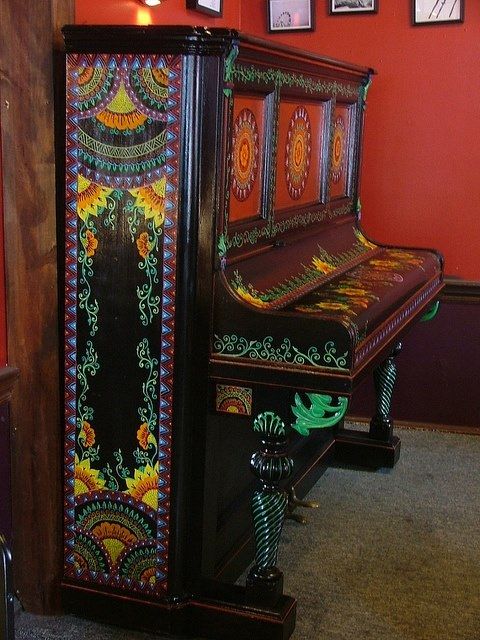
point(26, 61)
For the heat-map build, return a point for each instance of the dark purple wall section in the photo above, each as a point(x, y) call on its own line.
point(5, 485)
point(438, 371)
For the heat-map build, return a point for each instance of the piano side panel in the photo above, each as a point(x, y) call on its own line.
point(121, 207)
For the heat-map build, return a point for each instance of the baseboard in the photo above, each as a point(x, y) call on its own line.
point(461, 291)
point(425, 426)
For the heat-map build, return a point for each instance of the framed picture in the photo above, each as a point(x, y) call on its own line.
point(211, 7)
point(336, 7)
point(437, 11)
point(290, 15)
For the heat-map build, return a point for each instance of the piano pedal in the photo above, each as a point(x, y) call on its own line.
point(296, 517)
point(293, 502)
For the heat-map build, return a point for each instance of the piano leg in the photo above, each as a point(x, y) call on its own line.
point(380, 448)
point(271, 465)
point(381, 425)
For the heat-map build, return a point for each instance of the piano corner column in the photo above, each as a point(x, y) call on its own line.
point(381, 425)
point(271, 465)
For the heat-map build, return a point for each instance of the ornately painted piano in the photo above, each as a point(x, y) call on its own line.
point(216, 278)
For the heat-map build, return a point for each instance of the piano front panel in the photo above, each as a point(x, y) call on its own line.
point(299, 154)
point(342, 151)
point(283, 187)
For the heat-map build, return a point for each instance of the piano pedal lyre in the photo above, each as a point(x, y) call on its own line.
point(293, 502)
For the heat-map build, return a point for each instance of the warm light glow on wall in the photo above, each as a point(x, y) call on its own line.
point(143, 17)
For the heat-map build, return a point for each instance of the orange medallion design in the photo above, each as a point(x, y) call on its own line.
point(245, 154)
point(298, 152)
point(338, 151)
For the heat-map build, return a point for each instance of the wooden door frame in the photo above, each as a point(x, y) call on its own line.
point(27, 43)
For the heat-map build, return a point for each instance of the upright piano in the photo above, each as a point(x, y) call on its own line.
point(222, 304)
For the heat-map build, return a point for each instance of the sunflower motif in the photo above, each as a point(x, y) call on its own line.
point(86, 478)
point(144, 485)
point(87, 435)
point(114, 537)
point(90, 197)
point(121, 113)
point(151, 199)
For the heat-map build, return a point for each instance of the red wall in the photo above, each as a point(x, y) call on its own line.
point(169, 12)
point(420, 181)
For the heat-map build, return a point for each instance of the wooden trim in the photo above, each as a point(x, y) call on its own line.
point(423, 426)
point(466, 291)
point(29, 159)
point(8, 376)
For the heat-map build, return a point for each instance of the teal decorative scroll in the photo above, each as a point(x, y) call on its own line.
point(431, 313)
point(299, 81)
point(238, 347)
point(229, 67)
point(252, 236)
point(321, 414)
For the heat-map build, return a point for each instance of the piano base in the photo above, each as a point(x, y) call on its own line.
point(359, 450)
point(222, 615)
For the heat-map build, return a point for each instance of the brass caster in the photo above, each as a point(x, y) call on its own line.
point(296, 502)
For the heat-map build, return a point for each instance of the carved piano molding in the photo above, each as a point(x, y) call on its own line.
point(216, 277)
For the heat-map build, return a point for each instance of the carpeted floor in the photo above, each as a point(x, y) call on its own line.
point(388, 556)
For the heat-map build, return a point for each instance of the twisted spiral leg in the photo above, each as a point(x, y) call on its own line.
point(270, 465)
point(381, 425)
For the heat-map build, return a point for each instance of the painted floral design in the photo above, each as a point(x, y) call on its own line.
point(143, 244)
point(91, 243)
point(91, 198)
point(121, 114)
point(144, 485)
point(86, 479)
point(87, 435)
point(361, 238)
point(115, 538)
point(357, 290)
point(322, 265)
point(151, 199)
point(145, 437)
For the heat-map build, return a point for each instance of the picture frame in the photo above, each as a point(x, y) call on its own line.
point(210, 7)
point(345, 7)
point(290, 15)
point(437, 11)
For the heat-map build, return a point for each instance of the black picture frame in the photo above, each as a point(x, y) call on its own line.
point(290, 15)
point(353, 7)
point(428, 12)
point(210, 7)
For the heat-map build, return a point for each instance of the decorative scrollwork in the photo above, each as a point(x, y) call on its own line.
point(321, 414)
point(239, 347)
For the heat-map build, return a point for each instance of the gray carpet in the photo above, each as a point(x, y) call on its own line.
point(388, 556)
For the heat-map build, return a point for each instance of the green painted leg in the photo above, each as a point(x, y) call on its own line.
point(271, 465)
point(381, 425)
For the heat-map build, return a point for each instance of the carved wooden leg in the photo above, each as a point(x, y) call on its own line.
point(381, 425)
point(271, 465)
